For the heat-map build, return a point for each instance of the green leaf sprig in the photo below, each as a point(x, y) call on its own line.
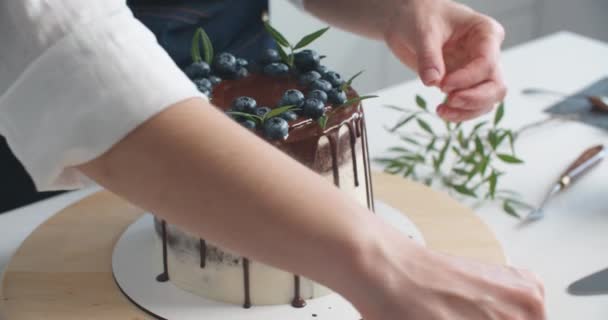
point(260, 120)
point(201, 37)
point(323, 120)
point(283, 43)
point(464, 161)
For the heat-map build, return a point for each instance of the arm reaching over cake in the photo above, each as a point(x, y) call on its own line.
point(450, 45)
point(309, 227)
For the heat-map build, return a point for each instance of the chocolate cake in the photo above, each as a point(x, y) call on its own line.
point(303, 110)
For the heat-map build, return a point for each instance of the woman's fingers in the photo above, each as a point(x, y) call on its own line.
point(467, 104)
point(483, 46)
point(477, 71)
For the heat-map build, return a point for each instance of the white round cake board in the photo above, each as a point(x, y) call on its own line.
point(135, 269)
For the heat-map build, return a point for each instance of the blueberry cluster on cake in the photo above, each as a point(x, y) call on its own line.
point(311, 113)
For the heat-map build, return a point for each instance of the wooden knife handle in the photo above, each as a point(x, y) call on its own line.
point(581, 165)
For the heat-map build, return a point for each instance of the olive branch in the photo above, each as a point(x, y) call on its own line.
point(464, 161)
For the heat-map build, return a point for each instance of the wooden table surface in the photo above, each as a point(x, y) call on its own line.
point(63, 269)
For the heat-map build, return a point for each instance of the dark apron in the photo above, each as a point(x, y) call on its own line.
point(234, 26)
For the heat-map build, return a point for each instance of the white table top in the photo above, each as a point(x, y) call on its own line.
point(571, 241)
point(567, 244)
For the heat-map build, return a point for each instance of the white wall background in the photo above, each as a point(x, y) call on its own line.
point(523, 19)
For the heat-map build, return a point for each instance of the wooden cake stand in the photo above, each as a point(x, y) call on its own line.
point(62, 271)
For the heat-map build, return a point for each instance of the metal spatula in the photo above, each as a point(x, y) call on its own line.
point(582, 164)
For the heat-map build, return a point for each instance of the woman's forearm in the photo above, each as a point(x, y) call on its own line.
point(196, 168)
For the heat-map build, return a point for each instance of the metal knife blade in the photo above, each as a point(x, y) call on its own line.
point(587, 160)
point(594, 284)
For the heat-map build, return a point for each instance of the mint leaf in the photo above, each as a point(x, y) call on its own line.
point(308, 39)
point(509, 158)
point(276, 35)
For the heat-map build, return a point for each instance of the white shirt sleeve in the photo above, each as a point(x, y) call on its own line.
point(75, 78)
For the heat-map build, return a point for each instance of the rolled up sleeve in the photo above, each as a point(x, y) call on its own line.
point(84, 92)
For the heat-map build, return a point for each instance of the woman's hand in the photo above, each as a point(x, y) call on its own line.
point(401, 283)
point(452, 47)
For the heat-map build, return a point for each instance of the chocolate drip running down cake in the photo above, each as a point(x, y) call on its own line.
point(335, 148)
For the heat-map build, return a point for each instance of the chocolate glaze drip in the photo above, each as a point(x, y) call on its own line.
point(247, 303)
point(333, 145)
point(164, 277)
point(298, 301)
point(203, 253)
point(353, 142)
point(368, 172)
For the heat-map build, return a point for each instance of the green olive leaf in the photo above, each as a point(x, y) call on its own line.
point(252, 117)
point(279, 111)
point(462, 189)
point(403, 122)
point(506, 206)
point(507, 158)
point(357, 100)
point(425, 126)
point(310, 38)
point(500, 112)
point(276, 35)
point(323, 121)
point(420, 102)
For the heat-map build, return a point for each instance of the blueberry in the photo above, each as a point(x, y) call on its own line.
point(321, 84)
point(242, 63)
point(276, 69)
point(203, 83)
point(307, 78)
point(270, 56)
point(215, 80)
point(224, 64)
point(313, 108)
point(241, 73)
point(205, 91)
point(244, 104)
point(289, 115)
point(292, 97)
point(261, 111)
point(334, 78)
point(317, 94)
point(307, 60)
point(337, 97)
point(197, 70)
point(249, 124)
point(322, 70)
point(276, 128)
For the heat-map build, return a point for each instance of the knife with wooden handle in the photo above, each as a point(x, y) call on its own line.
point(587, 160)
